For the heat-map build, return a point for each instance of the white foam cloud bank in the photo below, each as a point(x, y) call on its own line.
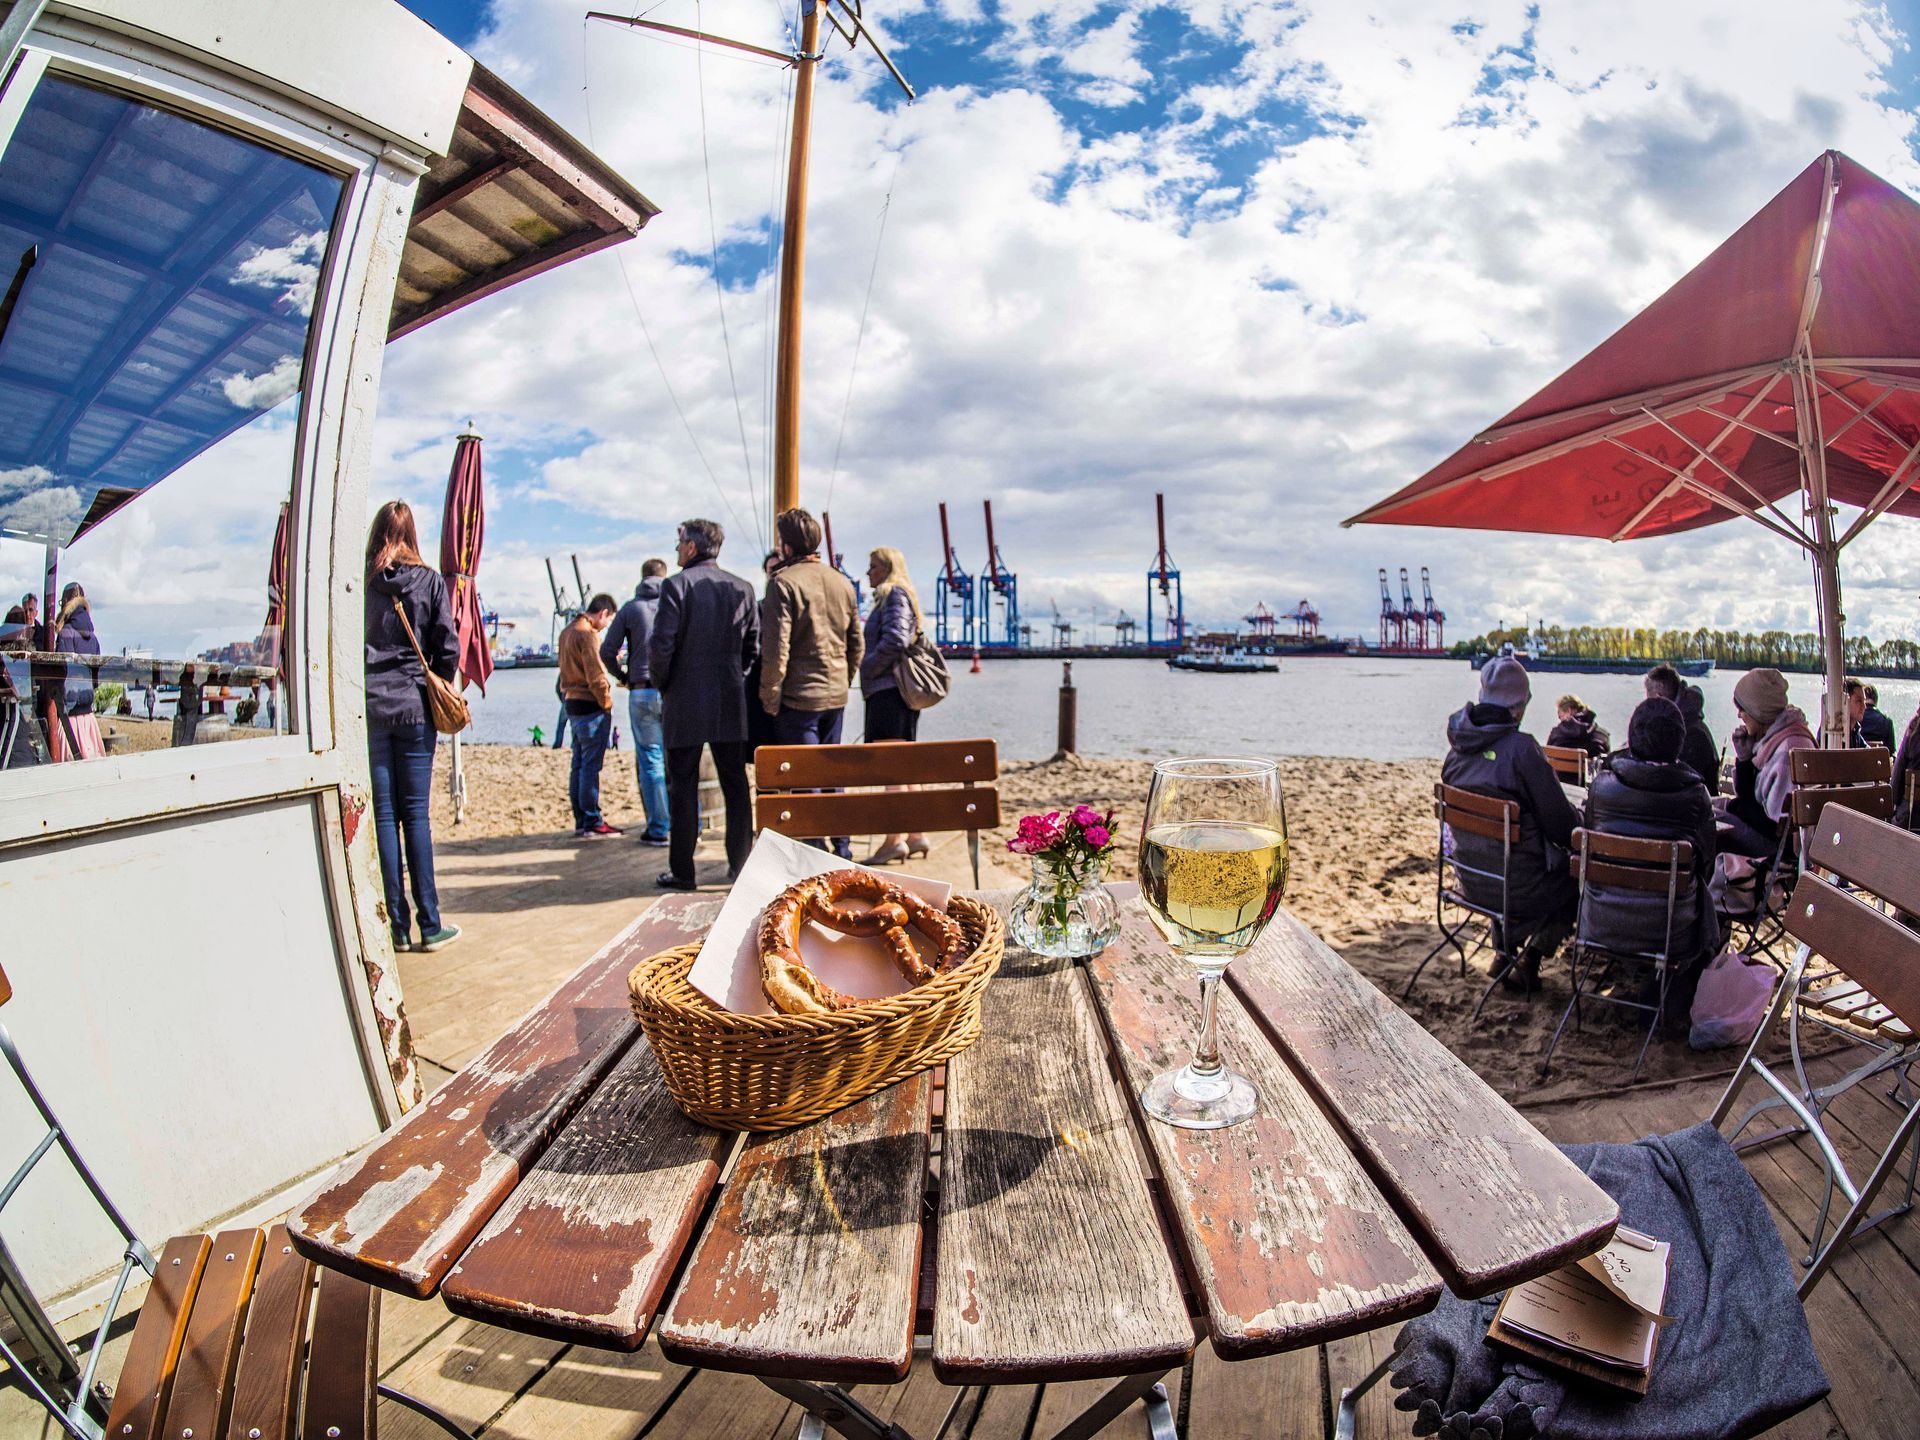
point(1273, 259)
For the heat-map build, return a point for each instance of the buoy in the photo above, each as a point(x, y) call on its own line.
point(975, 669)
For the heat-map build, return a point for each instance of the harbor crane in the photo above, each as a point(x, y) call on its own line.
point(1435, 617)
point(1413, 620)
point(1393, 627)
point(1062, 629)
point(999, 613)
point(1262, 621)
point(1123, 630)
point(565, 611)
point(952, 594)
point(1164, 579)
point(1306, 620)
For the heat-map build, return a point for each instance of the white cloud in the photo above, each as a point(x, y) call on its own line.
point(1068, 319)
point(265, 390)
point(293, 267)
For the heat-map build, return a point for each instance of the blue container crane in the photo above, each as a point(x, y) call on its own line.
point(999, 626)
point(952, 595)
point(1164, 579)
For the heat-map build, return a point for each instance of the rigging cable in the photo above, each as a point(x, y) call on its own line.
point(620, 259)
point(719, 290)
point(866, 305)
point(776, 237)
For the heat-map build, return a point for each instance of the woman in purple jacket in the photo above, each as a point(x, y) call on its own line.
point(890, 627)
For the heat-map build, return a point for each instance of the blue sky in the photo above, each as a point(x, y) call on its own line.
point(1273, 259)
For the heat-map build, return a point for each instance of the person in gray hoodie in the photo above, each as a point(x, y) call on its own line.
point(1491, 755)
point(629, 635)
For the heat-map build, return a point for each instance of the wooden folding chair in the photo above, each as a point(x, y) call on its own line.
point(1865, 988)
point(815, 791)
point(1620, 863)
point(1464, 812)
point(234, 1337)
point(1569, 762)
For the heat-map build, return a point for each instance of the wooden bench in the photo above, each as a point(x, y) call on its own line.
point(955, 784)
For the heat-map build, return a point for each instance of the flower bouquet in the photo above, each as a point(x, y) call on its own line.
point(1065, 909)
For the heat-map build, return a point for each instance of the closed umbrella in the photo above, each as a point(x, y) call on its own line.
point(273, 632)
point(1776, 379)
point(463, 527)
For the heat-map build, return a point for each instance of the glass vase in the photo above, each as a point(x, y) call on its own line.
point(1065, 911)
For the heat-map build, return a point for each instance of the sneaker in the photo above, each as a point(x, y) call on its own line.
point(402, 943)
point(602, 831)
point(438, 939)
point(669, 881)
point(647, 839)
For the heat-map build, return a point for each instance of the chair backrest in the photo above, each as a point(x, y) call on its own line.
point(1841, 767)
point(1484, 815)
point(1626, 863)
point(1808, 801)
point(1569, 762)
point(1466, 812)
point(1875, 950)
point(956, 780)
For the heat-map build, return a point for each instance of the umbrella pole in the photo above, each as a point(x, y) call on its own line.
point(457, 783)
point(1826, 577)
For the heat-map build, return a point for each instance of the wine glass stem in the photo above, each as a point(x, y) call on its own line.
point(1206, 1049)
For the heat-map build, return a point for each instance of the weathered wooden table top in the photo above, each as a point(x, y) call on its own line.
point(1029, 1220)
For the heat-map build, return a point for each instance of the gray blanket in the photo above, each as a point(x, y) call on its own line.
point(1736, 1361)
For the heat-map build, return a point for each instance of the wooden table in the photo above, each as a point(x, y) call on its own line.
point(1019, 1212)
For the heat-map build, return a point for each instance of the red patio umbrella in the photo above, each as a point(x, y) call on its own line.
point(1787, 363)
point(272, 632)
point(463, 526)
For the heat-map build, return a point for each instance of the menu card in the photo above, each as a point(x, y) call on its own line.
point(727, 969)
point(1604, 1310)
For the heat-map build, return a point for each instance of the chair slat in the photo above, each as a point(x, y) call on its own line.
point(266, 1384)
point(826, 1217)
point(1630, 877)
point(929, 762)
point(203, 1380)
point(1052, 1264)
point(1840, 767)
point(1489, 1196)
point(1568, 761)
point(400, 1213)
point(341, 1360)
point(1292, 1244)
point(1879, 952)
point(879, 812)
point(1473, 802)
point(1600, 845)
point(1809, 802)
point(146, 1379)
point(1871, 854)
point(584, 1247)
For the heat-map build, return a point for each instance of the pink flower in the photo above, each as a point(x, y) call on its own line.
point(1086, 815)
point(1097, 836)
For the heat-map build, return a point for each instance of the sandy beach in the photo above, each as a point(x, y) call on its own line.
point(1363, 843)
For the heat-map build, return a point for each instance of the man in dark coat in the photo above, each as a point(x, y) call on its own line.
point(1578, 729)
point(1699, 752)
point(706, 632)
point(1869, 726)
point(1490, 755)
point(1646, 792)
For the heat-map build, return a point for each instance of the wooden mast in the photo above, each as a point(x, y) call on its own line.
point(786, 394)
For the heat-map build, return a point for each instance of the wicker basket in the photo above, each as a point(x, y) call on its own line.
point(767, 1072)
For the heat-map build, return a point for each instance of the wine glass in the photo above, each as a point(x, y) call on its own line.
point(1213, 867)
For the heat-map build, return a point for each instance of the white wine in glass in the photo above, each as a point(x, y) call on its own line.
point(1213, 869)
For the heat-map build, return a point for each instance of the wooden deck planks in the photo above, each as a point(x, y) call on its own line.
point(1491, 1199)
point(399, 1214)
point(1051, 1261)
point(584, 1247)
point(1290, 1242)
point(809, 1267)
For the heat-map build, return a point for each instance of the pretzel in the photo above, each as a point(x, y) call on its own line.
point(793, 989)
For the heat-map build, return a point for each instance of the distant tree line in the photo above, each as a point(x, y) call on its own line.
point(1736, 649)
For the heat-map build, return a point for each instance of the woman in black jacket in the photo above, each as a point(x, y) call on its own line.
point(400, 733)
point(1646, 793)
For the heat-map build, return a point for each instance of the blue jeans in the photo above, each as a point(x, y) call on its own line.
point(590, 736)
point(401, 758)
point(649, 758)
point(812, 727)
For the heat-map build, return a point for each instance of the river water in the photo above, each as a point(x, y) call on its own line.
point(1322, 705)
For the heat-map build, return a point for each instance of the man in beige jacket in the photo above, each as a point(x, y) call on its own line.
point(587, 691)
point(810, 642)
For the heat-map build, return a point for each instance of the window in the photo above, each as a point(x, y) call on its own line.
point(159, 282)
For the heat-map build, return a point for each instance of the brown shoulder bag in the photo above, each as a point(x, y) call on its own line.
point(446, 705)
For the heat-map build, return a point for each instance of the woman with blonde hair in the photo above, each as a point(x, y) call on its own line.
point(891, 625)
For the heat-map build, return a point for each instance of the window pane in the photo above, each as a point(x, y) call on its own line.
point(162, 275)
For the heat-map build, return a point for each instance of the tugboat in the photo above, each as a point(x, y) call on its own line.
point(1218, 660)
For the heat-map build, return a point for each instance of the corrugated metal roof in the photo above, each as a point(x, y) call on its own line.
point(516, 195)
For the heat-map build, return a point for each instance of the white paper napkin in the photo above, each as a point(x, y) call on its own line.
point(727, 969)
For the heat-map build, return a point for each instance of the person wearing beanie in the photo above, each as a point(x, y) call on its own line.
point(1768, 733)
point(1577, 729)
point(1489, 754)
point(1648, 792)
point(1699, 752)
